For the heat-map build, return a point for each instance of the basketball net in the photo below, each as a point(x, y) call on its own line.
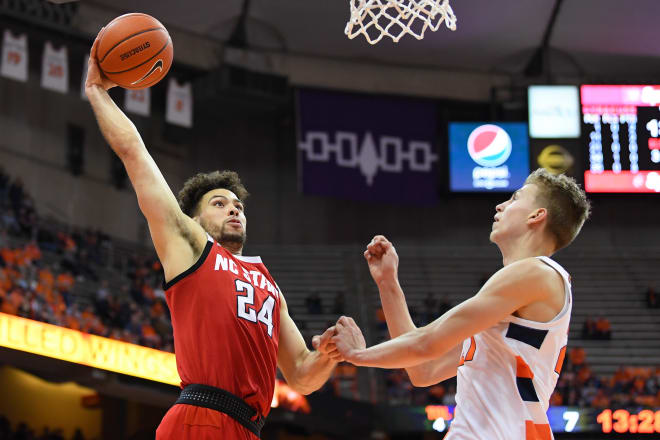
point(376, 19)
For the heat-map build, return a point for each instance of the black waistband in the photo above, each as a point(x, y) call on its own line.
point(220, 400)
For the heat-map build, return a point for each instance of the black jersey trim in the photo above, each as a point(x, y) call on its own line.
point(528, 335)
point(526, 389)
point(191, 269)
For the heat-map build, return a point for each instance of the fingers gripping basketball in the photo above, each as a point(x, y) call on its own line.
point(134, 51)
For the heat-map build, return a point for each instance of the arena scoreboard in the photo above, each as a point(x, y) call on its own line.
point(562, 419)
point(621, 124)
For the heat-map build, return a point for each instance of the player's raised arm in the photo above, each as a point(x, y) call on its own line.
point(383, 264)
point(177, 238)
point(511, 288)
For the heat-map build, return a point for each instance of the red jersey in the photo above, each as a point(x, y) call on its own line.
point(226, 321)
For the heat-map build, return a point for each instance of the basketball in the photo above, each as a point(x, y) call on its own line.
point(134, 51)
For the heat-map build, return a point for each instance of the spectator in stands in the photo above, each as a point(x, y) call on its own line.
point(398, 387)
point(577, 357)
point(380, 319)
point(314, 304)
point(652, 300)
point(589, 328)
point(603, 328)
point(344, 379)
point(101, 302)
point(450, 396)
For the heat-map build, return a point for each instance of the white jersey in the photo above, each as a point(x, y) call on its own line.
point(507, 374)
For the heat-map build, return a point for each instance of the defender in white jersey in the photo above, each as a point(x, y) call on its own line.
point(507, 343)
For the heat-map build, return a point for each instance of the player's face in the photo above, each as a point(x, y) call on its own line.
point(511, 218)
point(222, 215)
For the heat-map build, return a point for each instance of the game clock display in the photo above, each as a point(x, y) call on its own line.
point(621, 125)
point(622, 421)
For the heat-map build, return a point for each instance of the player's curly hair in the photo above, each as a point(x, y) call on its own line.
point(194, 189)
point(567, 204)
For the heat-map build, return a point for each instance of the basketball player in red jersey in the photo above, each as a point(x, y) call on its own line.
point(506, 344)
point(230, 320)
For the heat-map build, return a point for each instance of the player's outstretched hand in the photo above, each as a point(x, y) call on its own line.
point(382, 259)
point(324, 345)
point(348, 338)
point(94, 75)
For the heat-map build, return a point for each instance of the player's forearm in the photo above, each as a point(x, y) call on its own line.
point(437, 370)
point(312, 372)
point(407, 350)
point(117, 129)
point(395, 308)
point(399, 322)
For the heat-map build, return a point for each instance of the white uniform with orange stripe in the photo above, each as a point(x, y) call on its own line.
point(507, 374)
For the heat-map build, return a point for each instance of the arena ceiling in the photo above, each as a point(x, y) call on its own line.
point(589, 38)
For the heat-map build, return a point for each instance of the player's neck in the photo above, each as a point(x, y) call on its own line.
point(525, 247)
point(233, 248)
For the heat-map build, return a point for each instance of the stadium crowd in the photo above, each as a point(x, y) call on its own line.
point(39, 272)
point(25, 432)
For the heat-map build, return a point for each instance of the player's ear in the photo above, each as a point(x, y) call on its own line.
point(538, 215)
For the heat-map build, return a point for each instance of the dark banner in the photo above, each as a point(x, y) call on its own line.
point(368, 148)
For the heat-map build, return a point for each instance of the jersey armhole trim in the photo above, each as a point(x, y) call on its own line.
point(191, 269)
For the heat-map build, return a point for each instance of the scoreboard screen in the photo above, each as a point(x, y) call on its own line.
point(621, 124)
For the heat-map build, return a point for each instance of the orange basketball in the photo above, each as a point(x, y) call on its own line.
point(135, 51)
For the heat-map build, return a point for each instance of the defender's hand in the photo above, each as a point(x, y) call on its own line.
point(94, 75)
point(348, 339)
point(382, 259)
point(324, 345)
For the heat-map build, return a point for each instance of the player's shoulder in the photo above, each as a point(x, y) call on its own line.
point(533, 270)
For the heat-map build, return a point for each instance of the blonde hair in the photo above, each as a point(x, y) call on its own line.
point(567, 204)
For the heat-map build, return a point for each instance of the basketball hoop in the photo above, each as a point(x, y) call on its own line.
point(376, 19)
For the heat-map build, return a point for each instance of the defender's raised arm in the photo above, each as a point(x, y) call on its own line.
point(383, 264)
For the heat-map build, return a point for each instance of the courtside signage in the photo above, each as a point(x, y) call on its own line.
point(364, 147)
point(488, 157)
point(91, 350)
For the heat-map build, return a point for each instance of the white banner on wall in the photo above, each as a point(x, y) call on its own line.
point(84, 78)
point(55, 68)
point(554, 112)
point(14, 57)
point(138, 101)
point(179, 104)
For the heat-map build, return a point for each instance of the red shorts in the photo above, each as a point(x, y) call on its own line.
point(189, 422)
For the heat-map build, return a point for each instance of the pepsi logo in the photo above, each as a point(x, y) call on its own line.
point(489, 145)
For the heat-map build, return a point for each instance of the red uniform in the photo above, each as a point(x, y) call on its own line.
point(226, 319)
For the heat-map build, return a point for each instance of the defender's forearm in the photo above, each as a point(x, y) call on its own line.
point(312, 373)
point(395, 308)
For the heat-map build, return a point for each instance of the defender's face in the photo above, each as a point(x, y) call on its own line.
point(511, 218)
point(222, 215)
